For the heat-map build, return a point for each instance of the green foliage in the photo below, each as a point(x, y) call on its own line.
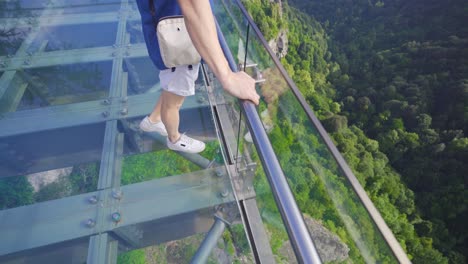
point(406, 86)
point(132, 257)
point(268, 14)
point(15, 191)
point(154, 165)
point(239, 238)
point(389, 107)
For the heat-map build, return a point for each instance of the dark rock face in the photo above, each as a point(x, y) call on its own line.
point(280, 44)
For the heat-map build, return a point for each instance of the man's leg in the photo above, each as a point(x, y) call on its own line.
point(152, 123)
point(170, 106)
point(155, 116)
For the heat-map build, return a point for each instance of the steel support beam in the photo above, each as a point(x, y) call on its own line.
point(211, 238)
point(60, 116)
point(111, 162)
point(69, 19)
point(256, 232)
point(64, 57)
point(73, 217)
point(106, 249)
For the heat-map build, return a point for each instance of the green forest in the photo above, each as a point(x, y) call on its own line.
point(389, 82)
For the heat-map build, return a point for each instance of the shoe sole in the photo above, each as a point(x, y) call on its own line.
point(191, 152)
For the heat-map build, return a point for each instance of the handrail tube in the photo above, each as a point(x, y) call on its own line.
point(296, 228)
point(387, 234)
point(210, 241)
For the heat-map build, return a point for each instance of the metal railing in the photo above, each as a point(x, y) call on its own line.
point(296, 228)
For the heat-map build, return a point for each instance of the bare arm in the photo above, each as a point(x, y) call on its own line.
point(202, 30)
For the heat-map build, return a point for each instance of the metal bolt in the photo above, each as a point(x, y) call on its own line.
point(124, 99)
point(219, 172)
point(26, 62)
point(114, 46)
point(114, 54)
point(124, 111)
point(117, 194)
point(90, 223)
point(106, 102)
point(225, 193)
point(105, 114)
point(93, 199)
point(116, 217)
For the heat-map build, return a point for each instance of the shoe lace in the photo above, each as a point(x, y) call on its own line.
point(186, 139)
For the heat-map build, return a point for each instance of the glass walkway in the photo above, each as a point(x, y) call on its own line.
point(80, 183)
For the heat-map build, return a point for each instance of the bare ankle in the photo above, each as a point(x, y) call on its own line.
point(174, 138)
point(153, 119)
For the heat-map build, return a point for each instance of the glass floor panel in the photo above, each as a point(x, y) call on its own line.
point(41, 166)
point(73, 159)
point(64, 84)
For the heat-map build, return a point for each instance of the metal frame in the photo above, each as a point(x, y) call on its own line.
point(241, 178)
point(296, 228)
point(396, 248)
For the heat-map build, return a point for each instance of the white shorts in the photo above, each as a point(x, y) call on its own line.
point(181, 81)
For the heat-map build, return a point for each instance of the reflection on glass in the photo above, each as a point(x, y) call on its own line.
point(21, 8)
point(87, 6)
point(64, 84)
point(76, 36)
point(135, 31)
point(11, 39)
point(143, 76)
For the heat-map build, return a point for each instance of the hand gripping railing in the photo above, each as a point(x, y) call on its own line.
point(296, 228)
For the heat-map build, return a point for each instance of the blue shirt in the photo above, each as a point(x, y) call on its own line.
point(162, 9)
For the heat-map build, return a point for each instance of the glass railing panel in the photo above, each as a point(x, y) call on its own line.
point(330, 206)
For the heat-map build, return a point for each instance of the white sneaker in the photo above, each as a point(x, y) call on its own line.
point(148, 126)
point(186, 144)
